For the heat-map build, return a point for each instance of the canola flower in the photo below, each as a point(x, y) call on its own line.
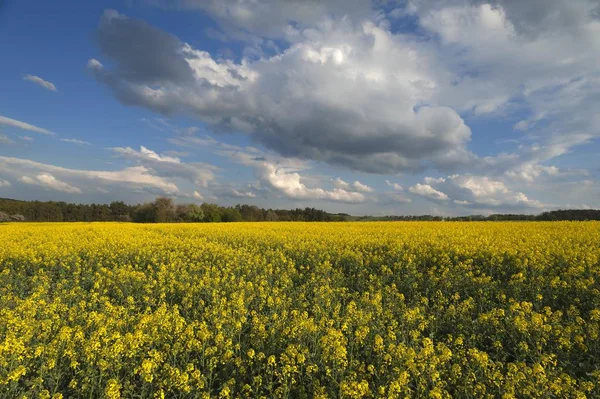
point(300, 310)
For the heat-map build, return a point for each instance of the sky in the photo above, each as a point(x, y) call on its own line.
point(379, 107)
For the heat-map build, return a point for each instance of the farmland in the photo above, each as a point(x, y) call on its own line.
point(300, 310)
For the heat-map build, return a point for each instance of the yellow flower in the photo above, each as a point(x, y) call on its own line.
point(113, 389)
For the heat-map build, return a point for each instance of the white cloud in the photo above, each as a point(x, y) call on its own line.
point(23, 125)
point(94, 64)
point(40, 82)
point(4, 139)
point(26, 138)
point(76, 141)
point(395, 186)
point(289, 183)
point(242, 194)
point(434, 180)
point(425, 190)
point(529, 162)
point(487, 191)
point(218, 146)
point(168, 166)
point(340, 184)
point(145, 154)
point(133, 178)
point(394, 197)
point(356, 186)
point(532, 172)
point(278, 173)
point(535, 56)
point(483, 188)
point(363, 188)
point(342, 87)
point(46, 180)
point(198, 196)
point(476, 191)
point(253, 20)
point(136, 175)
point(4, 183)
point(361, 89)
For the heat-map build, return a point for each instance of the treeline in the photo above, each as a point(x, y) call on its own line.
point(162, 210)
point(563, 214)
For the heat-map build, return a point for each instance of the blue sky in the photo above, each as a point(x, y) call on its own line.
point(419, 106)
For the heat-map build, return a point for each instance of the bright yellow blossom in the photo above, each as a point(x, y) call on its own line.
point(282, 310)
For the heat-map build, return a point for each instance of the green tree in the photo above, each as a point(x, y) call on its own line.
point(231, 215)
point(212, 212)
point(190, 213)
point(165, 210)
point(271, 216)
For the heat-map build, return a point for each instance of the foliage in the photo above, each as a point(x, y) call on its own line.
point(164, 210)
point(287, 310)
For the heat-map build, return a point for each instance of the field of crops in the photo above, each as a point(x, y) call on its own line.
point(300, 310)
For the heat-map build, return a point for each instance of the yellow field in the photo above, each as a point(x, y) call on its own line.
point(300, 310)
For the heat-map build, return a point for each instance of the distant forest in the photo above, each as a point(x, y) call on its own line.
point(164, 210)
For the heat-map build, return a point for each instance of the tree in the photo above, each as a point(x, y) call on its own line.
point(212, 212)
point(195, 214)
point(251, 213)
point(231, 215)
point(271, 216)
point(165, 210)
point(120, 211)
point(190, 213)
point(145, 213)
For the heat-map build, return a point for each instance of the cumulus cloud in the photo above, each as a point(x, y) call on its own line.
point(75, 141)
point(531, 172)
point(40, 82)
point(529, 163)
point(539, 57)
point(462, 202)
point(341, 184)
point(341, 94)
point(536, 56)
point(476, 191)
point(425, 190)
point(277, 174)
point(396, 196)
point(434, 180)
point(198, 196)
point(23, 125)
point(242, 194)
point(4, 139)
point(271, 19)
point(94, 65)
point(137, 177)
point(395, 186)
point(356, 186)
point(168, 166)
point(341, 85)
point(145, 154)
point(290, 184)
point(4, 183)
point(46, 180)
point(363, 188)
point(393, 198)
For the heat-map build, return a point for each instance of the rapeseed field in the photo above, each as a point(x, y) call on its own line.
point(300, 310)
